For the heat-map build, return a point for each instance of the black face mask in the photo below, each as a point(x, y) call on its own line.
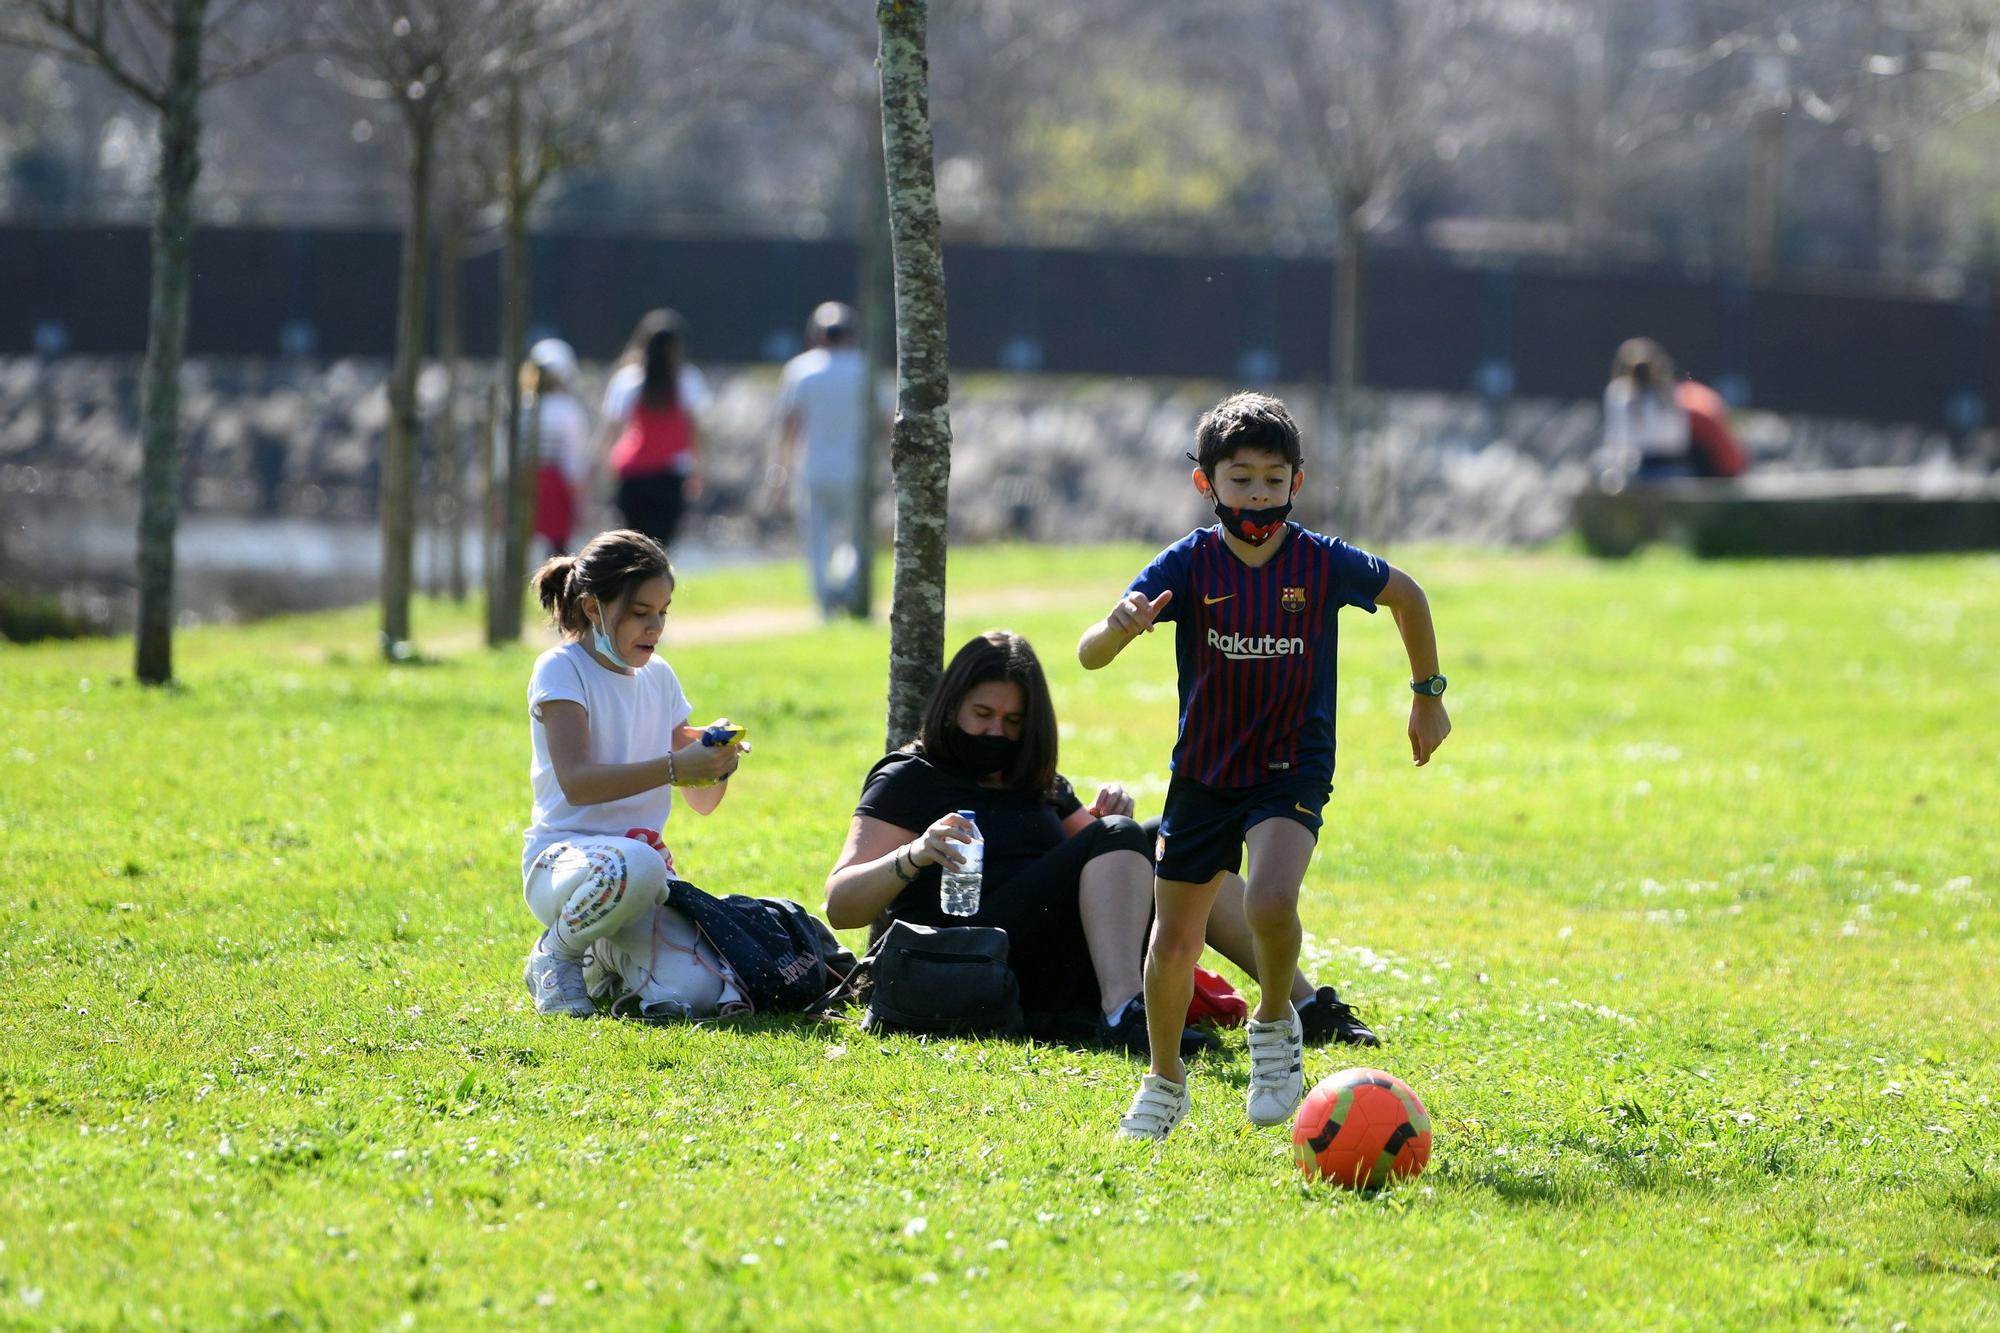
point(1255, 526)
point(983, 754)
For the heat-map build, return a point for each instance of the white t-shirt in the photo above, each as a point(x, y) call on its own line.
point(624, 386)
point(632, 718)
point(1646, 424)
point(824, 387)
point(565, 438)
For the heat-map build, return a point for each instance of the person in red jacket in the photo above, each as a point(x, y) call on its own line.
point(1713, 448)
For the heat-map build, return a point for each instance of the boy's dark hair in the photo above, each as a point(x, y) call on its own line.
point(608, 568)
point(998, 654)
point(1245, 421)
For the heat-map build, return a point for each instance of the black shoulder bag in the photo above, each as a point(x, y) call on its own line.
point(950, 980)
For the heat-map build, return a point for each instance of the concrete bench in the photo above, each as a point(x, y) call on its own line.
point(1851, 512)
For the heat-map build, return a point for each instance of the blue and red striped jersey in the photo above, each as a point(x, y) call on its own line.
point(1255, 648)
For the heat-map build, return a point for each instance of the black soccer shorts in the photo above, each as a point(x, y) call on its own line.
point(1202, 829)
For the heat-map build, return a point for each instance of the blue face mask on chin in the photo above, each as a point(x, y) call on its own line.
point(605, 648)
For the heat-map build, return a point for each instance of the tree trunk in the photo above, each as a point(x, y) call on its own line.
point(489, 502)
point(448, 512)
point(1590, 174)
point(920, 444)
point(1347, 308)
point(517, 507)
point(875, 302)
point(1767, 145)
point(166, 344)
point(399, 455)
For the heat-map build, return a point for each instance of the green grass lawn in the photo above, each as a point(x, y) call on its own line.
point(1687, 938)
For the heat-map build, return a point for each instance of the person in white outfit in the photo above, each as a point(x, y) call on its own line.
point(823, 397)
point(608, 723)
point(1646, 431)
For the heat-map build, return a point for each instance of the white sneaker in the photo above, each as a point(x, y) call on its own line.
point(556, 983)
point(1160, 1104)
point(1277, 1070)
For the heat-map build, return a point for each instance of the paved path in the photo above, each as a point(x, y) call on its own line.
point(775, 622)
point(756, 623)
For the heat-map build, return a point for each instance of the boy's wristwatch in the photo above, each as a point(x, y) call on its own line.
point(1430, 685)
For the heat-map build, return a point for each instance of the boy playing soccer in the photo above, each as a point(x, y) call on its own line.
point(1254, 601)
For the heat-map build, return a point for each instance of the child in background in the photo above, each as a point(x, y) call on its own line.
point(561, 432)
point(1254, 601)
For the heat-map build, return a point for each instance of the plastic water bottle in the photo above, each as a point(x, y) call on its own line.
point(961, 883)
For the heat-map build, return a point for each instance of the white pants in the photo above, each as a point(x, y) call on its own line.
point(587, 889)
point(829, 515)
point(605, 899)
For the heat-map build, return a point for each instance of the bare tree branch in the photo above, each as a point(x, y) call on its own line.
point(123, 39)
point(82, 39)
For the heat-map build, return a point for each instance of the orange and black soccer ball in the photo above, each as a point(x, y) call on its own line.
point(1361, 1128)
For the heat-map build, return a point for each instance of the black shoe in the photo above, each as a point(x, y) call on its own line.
point(1086, 1030)
point(1127, 1035)
point(1193, 1040)
point(1326, 1017)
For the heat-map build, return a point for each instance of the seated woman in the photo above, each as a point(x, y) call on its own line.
point(1071, 885)
point(1645, 428)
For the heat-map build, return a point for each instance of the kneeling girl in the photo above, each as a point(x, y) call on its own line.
point(611, 741)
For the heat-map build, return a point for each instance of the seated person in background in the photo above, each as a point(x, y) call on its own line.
point(1713, 449)
point(1071, 885)
point(1645, 428)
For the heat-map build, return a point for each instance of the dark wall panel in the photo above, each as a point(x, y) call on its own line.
point(1430, 324)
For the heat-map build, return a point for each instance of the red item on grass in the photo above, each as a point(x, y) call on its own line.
point(1216, 1001)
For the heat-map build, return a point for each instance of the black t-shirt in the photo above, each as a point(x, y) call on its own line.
point(909, 790)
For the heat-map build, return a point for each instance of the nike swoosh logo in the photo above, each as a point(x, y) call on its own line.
point(1301, 809)
point(1211, 601)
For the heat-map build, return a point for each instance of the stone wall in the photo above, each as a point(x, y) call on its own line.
point(1045, 458)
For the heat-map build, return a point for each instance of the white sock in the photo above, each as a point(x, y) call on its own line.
point(554, 945)
point(1117, 1016)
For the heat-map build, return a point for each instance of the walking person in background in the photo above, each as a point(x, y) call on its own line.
point(650, 411)
point(824, 398)
point(561, 431)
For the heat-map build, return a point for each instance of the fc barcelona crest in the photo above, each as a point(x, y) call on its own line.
point(1294, 599)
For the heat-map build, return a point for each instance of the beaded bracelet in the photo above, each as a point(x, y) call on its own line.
point(672, 779)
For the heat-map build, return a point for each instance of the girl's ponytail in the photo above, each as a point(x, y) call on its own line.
point(552, 589)
point(607, 568)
